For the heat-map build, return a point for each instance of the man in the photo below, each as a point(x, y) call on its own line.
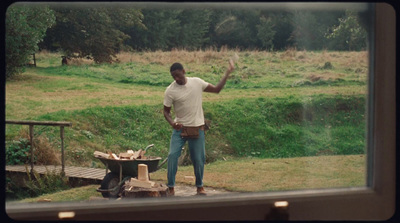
point(185, 94)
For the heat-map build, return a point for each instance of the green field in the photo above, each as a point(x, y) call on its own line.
point(276, 105)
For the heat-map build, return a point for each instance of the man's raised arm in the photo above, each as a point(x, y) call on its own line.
point(216, 89)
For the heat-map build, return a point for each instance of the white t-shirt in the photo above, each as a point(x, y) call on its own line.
point(187, 101)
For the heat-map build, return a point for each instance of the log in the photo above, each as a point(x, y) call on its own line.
point(141, 154)
point(130, 154)
point(125, 155)
point(138, 183)
point(136, 154)
point(100, 154)
point(143, 172)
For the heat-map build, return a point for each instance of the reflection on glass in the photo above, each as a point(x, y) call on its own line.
point(292, 115)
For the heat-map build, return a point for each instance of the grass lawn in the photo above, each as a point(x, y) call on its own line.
point(293, 103)
point(253, 175)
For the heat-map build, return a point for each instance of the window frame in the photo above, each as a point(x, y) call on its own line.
point(375, 201)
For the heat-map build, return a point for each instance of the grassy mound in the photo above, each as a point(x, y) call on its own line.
point(292, 126)
point(259, 127)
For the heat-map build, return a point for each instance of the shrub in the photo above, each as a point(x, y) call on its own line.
point(18, 152)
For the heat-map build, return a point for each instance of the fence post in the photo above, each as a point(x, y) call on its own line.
point(31, 141)
point(62, 150)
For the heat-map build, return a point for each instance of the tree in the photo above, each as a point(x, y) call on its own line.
point(236, 28)
point(349, 34)
point(283, 27)
point(306, 34)
point(26, 26)
point(92, 31)
point(266, 32)
point(158, 31)
point(194, 25)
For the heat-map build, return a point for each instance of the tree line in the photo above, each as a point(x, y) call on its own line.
point(101, 32)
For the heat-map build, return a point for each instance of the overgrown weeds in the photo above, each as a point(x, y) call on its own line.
point(49, 182)
point(35, 184)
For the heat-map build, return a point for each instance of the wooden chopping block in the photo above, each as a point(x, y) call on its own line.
point(145, 192)
point(156, 191)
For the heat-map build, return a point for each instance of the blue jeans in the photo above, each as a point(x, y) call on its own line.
point(197, 155)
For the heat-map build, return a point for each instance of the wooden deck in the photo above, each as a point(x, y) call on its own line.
point(84, 173)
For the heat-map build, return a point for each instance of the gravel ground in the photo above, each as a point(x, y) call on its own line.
point(183, 190)
point(187, 190)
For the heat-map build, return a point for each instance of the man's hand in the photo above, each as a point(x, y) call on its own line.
point(231, 67)
point(216, 89)
point(177, 126)
point(167, 115)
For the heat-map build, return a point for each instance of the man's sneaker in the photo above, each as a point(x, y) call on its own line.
point(201, 191)
point(171, 191)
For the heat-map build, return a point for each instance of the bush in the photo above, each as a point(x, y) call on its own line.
point(18, 152)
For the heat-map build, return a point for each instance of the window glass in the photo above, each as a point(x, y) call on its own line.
point(292, 116)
